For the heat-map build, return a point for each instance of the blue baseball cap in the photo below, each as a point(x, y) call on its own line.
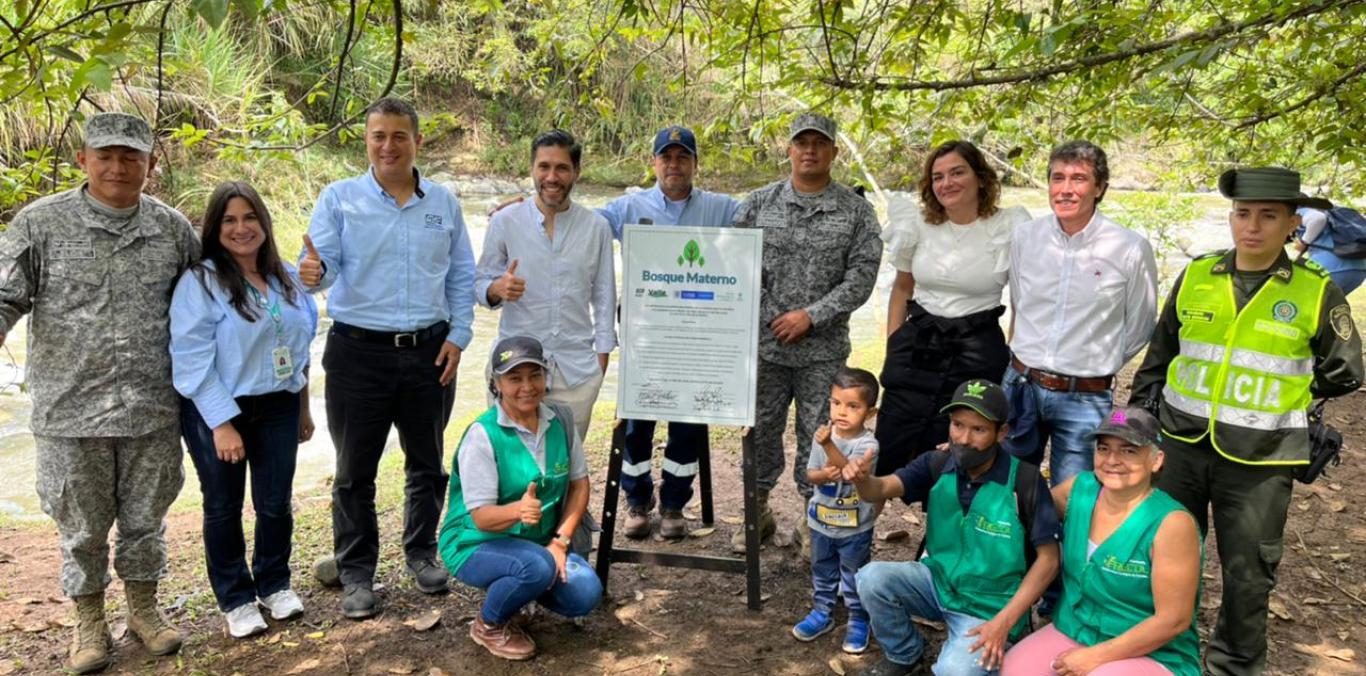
point(676, 136)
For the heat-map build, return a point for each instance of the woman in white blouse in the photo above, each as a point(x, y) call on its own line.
point(952, 255)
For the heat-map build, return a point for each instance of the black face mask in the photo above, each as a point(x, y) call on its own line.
point(969, 458)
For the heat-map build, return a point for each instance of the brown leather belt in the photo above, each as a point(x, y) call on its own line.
point(1061, 383)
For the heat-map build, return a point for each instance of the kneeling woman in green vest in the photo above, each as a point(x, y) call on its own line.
point(991, 545)
point(1130, 564)
point(519, 488)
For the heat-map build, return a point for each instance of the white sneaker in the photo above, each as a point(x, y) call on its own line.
point(283, 605)
point(245, 620)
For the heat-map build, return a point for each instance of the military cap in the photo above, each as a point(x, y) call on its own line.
point(118, 129)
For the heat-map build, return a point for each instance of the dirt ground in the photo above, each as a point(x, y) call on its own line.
point(657, 620)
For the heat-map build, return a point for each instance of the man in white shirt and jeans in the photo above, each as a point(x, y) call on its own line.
point(547, 264)
point(1083, 291)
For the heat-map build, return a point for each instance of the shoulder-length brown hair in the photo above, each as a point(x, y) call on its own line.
point(226, 271)
point(988, 183)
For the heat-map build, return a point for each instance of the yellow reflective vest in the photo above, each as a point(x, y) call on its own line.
point(1242, 377)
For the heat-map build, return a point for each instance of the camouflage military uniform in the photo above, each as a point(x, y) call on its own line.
point(98, 283)
point(821, 253)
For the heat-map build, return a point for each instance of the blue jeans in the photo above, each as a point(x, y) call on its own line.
point(834, 564)
point(516, 572)
point(685, 442)
point(269, 425)
point(893, 592)
point(1062, 421)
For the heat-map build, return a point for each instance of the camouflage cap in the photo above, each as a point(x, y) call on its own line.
point(812, 122)
point(118, 129)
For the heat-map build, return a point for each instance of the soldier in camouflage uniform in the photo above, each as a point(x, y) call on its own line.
point(821, 255)
point(95, 266)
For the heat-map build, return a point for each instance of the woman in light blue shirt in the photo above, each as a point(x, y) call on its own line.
point(241, 325)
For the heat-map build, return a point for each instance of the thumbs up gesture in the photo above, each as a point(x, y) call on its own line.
point(529, 507)
point(311, 267)
point(859, 469)
point(508, 287)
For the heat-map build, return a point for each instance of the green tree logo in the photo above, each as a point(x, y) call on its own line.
point(692, 253)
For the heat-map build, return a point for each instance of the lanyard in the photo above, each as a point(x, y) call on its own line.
point(272, 308)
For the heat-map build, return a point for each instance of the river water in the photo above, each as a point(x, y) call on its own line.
point(19, 501)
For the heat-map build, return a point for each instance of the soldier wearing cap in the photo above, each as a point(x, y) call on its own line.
point(1247, 338)
point(822, 249)
point(673, 200)
point(95, 266)
point(991, 544)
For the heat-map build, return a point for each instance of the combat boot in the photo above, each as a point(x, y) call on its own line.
point(146, 621)
point(767, 525)
point(90, 641)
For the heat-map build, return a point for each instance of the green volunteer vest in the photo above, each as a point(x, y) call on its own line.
point(977, 559)
point(516, 468)
point(1111, 592)
point(1242, 378)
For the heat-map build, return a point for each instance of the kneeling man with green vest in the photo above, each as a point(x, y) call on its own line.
point(1247, 338)
point(519, 490)
point(991, 544)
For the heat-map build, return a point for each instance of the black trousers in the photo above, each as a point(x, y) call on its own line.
point(928, 357)
point(369, 388)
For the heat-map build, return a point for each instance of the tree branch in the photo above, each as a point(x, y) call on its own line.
point(341, 60)
point(1093, 61)
point(1316, 95)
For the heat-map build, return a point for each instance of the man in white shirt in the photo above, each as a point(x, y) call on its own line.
point(547, 264)
point(1084, 295)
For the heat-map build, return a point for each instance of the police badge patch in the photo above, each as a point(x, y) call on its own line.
point(1284, 311)
point(1340, 318)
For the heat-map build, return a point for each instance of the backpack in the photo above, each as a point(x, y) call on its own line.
point(1348, 228)
point(1026, 492)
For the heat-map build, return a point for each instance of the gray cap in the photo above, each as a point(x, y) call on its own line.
point(812, 122)
point(118, 129)
point(514, 351)
point(1131, 424)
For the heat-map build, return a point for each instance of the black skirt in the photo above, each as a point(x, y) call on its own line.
point(928, 357)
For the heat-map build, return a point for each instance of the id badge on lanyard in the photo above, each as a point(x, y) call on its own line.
point(280, 358)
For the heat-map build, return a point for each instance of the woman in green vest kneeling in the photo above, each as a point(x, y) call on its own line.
point(1130, 565)
point(519, 488)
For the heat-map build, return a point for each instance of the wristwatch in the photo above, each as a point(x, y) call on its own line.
point(563, 539)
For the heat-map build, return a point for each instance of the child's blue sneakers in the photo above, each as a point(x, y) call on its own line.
point(856, 636)
point(816, 624)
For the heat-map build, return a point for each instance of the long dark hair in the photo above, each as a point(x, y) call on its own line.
point(229, 276)
point(988, 183)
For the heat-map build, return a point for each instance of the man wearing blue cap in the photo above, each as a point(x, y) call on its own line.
point(673, 200)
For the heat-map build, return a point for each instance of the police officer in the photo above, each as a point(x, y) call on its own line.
point(1246, 339)
point(392, 247)
point(822, 248)
point(95, 266)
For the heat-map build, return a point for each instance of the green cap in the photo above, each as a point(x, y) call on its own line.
point(1267, 184)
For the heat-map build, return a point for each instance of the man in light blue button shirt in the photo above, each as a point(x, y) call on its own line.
point(547, 265)
point(673, 200)
point(393, 249)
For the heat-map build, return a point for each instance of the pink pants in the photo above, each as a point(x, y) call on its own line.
point(1033, 656)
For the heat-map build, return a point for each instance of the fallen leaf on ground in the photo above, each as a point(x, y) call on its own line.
point(33, 626)
point(1314, 600)
point(640, 595)
point(1340, 556)
point(315, 635)
point(290, 644)
point(275, 639)
point(305, 666)
point(733, 520)
point(27, 601)
point(424, 621)
point(701, 532)
point(401, 669)
point(119, 630)
point(836, 665)
point(911, 517)
point(1302, 506)
point(1277, 608)
point(1337, 505)
point(1344, 654)
point(67, 622)
point(895, 535)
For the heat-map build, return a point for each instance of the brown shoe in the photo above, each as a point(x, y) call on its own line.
point(671, 523)
point(506, 640)
point(146, 621)
point(90, 640)
point(637, 522)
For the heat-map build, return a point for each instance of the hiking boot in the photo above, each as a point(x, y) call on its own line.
point(506, 640)
point(90, 642)
point(817, 623)
point(245, 620)
point(358, 601)
point(146, 620)
point(325, 571)
point(283, 605)
point(767, 525)
point(638, 521)
point(856, 636)
point(430, 577)
point(886, 667)
point(671, 523)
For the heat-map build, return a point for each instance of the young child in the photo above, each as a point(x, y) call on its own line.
point(841, 524)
